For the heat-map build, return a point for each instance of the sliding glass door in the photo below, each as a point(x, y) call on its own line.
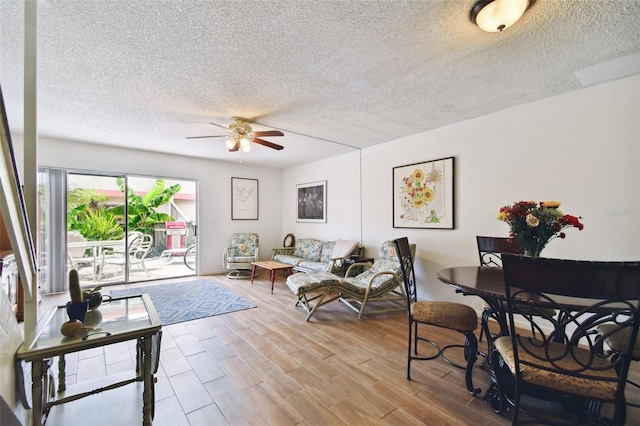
point(115, 228)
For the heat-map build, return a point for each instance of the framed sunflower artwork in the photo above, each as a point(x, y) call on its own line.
point(423, 195)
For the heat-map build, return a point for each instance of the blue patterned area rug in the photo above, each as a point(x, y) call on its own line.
point(189, 300)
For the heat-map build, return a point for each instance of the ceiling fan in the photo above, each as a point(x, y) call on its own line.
point(241, 135)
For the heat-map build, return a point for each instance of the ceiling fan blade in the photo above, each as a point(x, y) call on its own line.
point(269, 144)
point(223, 127)
point(201, 137)
point(269, 133)
point(235, 147)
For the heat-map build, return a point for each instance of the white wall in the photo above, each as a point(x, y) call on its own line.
point(582, 148)
point(342, 174)
point(214, 190)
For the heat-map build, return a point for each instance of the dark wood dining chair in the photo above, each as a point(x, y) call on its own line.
point(565, 362)
point(490, 251)
point(450, 315)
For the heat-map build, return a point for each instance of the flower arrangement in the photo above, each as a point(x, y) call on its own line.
point(535, 224)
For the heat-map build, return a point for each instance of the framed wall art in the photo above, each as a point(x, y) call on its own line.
point(244, 199)
point(423, 195)
point(312, 202)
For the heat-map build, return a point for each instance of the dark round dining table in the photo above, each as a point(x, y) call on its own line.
point(488, 283)
point(477, 280)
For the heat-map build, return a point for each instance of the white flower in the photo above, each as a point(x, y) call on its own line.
point(532, 221)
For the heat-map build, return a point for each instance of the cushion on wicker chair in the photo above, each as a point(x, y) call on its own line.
point(301, 283)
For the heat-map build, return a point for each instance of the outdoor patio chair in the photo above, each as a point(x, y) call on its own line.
point(238, 257)
point(139, 246)
point(76, 255)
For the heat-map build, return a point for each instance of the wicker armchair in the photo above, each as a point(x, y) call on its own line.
point(239, 255)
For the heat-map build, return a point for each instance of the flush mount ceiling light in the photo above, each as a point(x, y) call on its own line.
point(496, 15)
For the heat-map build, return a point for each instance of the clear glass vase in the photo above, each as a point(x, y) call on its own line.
point(533, 248)
point(532, 253)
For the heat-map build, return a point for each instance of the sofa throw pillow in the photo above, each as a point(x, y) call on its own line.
point(343, 248)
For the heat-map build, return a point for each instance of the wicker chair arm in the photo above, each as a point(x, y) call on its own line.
point(351, 267)
point(282, 250)
point(379, 274)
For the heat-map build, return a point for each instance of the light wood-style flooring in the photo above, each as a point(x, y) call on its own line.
point(267, 366)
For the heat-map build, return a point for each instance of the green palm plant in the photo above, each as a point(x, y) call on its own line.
point(85, 196)
point(82, 202)
point(101, 225)
point(141, 210)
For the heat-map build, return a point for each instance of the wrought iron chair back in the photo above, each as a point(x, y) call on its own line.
point(406, 267)
point(565, 361)
point(489, 252)
point(489, 249)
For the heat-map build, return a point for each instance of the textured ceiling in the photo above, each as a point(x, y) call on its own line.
point(332, 75)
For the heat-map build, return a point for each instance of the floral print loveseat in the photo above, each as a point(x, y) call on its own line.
point(313, 255)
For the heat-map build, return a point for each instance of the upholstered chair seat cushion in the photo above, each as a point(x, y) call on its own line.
point(566, 359)
point(241, 259)
point(314, 266)
point(379, 284)
point(455, 316)
point(301, 283)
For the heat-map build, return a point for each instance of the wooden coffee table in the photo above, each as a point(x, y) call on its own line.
point(272, 266)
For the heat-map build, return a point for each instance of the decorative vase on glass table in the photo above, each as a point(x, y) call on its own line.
point(534, 224)
point(78, 306)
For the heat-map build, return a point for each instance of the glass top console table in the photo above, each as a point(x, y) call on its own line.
point(116, 320)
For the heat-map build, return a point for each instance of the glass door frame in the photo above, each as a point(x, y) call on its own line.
point(53, 191)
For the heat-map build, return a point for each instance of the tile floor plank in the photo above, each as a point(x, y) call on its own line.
point(239, 372)
point(233, 403)
point(190, 391)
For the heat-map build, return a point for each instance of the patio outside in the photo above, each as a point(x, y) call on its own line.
point(157, 268)
point(148, 234)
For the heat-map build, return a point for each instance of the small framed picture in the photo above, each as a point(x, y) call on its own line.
point(244, 199)
point(423, 195)
point(312, 202)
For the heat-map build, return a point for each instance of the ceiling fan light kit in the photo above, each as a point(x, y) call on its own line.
point(245, 144)
point(497, 15)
